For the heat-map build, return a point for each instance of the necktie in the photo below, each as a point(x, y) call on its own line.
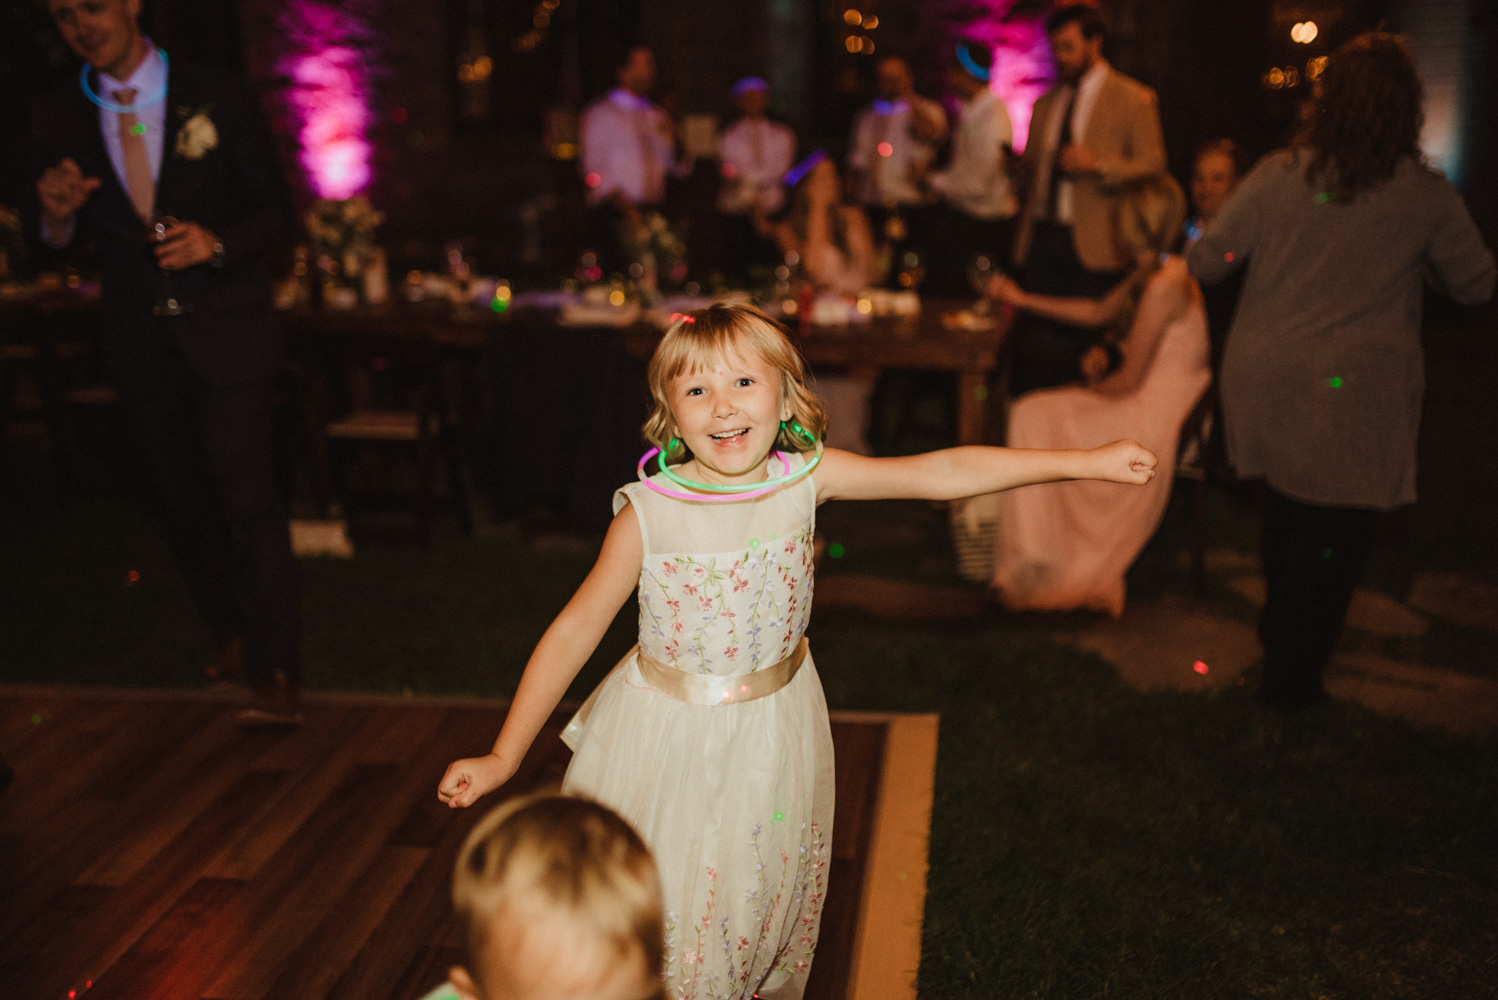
point(1062, 141)
point(654, 181)
point(138, 181)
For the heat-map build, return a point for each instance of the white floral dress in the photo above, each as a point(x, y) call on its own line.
point(734, 800)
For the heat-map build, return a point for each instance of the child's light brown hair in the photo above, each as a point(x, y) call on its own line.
point(699, 337)
point(557, 857)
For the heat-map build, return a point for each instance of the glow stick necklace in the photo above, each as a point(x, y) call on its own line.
point(126, 109)
point(728, 491)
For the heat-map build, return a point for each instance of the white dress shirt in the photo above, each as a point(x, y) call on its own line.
point(977, 182)
point(148, 80)
point(1081, 114)
point(756, 153)
point(889, 178)
point(626, 148)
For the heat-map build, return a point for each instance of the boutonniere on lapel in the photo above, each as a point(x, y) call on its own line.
point(197, 135)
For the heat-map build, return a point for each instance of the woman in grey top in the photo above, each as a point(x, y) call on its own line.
point(1323, 373)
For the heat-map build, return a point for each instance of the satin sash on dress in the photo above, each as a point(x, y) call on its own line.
point(696, 689)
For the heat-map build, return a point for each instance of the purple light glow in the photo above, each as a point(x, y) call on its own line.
point(1022, 71)
point(1022, 66)
point(329, 95)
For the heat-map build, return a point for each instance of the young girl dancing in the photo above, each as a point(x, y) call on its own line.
point(712, 736)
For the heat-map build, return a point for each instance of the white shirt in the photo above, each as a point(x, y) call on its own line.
point(1081, 114)
point(756, 155)
point(887, 178)
point(976, 182)
point(626, 148)
point(149, 79)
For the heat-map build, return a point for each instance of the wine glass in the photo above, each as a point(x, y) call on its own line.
point(167, 303)
point(980, 271)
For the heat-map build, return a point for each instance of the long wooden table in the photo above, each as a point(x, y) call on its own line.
point(918, 343)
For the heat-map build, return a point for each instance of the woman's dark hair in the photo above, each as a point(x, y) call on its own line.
point(1365, 117)
point(1083, 14)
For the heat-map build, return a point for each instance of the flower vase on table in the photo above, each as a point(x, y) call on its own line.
point(341, 233)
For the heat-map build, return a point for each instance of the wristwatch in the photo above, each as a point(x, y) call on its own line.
point(218, 252)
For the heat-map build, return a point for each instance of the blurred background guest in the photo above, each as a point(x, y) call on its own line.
point(1215, 172)
point(627, 147)
point(1091, 136)
point(1323, 376)
point(839, 255)
point(1067, 545)
point(756, 153)
point(183, 197)
point(977, 202)
point(893, 144)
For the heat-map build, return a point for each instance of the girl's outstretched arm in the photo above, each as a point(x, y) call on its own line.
point(954, 473)
point(558, 657)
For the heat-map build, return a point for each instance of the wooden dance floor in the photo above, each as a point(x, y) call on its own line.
point(149, 850)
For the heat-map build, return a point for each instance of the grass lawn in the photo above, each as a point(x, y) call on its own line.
point(1088, 840)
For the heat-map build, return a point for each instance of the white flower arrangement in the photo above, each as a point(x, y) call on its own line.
point(197, 136)
point(342, 231)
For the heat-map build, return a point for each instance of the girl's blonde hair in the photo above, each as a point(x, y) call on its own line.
point(563, 858)
point(700, 337)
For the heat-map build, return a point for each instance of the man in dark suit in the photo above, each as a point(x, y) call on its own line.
point(186, 327)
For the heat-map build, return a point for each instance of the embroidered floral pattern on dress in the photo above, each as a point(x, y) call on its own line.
point(797, 890)
point(693, 613)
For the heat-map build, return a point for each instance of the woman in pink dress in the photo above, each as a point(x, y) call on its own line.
point(1068, 545)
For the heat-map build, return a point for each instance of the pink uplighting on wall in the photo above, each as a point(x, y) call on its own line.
point(329, 96)
point(1022, 66)
point(1022, 71)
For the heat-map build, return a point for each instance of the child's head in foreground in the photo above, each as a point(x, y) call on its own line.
point(559, 900)
point(723, 380)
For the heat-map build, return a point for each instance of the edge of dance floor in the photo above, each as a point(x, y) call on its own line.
point(886, 940)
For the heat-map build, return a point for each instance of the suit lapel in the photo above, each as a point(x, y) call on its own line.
point(179, 107)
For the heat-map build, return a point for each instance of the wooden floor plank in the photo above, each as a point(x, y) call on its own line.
point(204, 765)
point(892, 909)
point(63, 840)
point(53, 756)
point(339, 853)
point(151, 965)
point(324, 764)
point(92, 943)
point(860, 758)
point(310, 972)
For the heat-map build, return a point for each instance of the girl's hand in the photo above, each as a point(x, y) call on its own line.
point(1125, 461)
point(471, 778)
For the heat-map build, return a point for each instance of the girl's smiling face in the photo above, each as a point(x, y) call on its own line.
point(728, 413)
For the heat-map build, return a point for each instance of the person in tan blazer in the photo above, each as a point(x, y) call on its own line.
point(1092, 136)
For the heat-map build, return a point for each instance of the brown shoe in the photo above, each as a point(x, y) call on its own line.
point(278, 705)
point(227, 665)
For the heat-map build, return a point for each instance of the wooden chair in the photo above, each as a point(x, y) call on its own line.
point(379, 402)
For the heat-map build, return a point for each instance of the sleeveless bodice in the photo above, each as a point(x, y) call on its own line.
point(725, 588)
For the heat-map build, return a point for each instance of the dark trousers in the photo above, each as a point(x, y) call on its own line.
point(1313, 559)
point(954, 238)
point(209, 450)
point(1048, 353)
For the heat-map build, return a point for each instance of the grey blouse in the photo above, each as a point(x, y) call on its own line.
point(1323, 374)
